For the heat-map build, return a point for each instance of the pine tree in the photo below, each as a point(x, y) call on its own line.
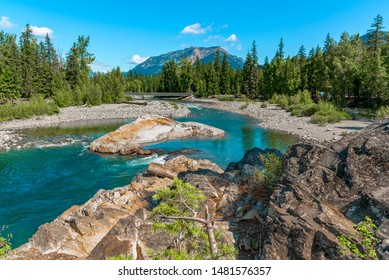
point(212, 81)
point(225, 83)
point(376, 35)
point(29, 55)
point(169, 77)
point(186, 75)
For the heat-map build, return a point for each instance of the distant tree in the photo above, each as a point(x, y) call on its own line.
point(212, 81)
point(29, 64)
point(376, 35)
point(225, 79)
point(186, 75)
point(169, 78)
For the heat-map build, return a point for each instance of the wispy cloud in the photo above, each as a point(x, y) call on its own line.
point(232, 38)
point(195, 29)
point(101, 67)
point(137, 59)
point(6, 23)
point(41, 31)
point(239, 47)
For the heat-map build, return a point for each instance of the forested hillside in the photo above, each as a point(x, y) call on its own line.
point(347, 72)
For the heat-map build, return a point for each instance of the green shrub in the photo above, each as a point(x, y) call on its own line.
point(176, 214)
point(328, 113)
point(271, 172)
point(264, 105)
point(35, 107)
point(226, 98)
point(5, 243)
point(64, 97)
point(364, 243)
point(121, 257)
point(244, 106)
point(382, 112)
point(175, 105)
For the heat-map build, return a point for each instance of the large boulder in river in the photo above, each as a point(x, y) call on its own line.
point(129, 138)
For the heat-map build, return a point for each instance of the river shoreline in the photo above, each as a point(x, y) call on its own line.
point(10, 138)
point(273, 117)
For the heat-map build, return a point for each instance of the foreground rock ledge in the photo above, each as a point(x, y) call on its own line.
point(324, 190)
point(129, 138)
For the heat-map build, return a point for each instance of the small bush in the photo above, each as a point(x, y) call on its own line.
point(363, 245)
point(121, 257)
point(244, 106)
point(5, 243)
point(272, 171)
point(226, 98)
point(175, 105)
point(35, 107)
point(328, 113)
point(382, 112)
point(264, 105)
point(64, 97)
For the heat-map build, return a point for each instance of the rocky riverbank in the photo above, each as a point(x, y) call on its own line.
point(276, 118)
point(323, 191)
point(11, 139)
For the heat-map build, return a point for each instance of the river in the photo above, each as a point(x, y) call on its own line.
point(38, 184)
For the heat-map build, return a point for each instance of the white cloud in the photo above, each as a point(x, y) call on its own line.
point(100, 67)
point(195, 29)
point(137, 59)
point(239, 47)
point(6, 23)
point(232, 38)
point(41, 31)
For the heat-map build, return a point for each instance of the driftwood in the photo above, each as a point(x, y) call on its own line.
point(136, 103)
point(161, 171)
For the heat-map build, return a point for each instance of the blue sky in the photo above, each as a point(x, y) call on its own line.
point(125, 32)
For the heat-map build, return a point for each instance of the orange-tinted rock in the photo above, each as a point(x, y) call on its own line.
point(129, 138)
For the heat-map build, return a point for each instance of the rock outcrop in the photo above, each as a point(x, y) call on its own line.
point(111, 223)
point(323, 192)
point(129, 138)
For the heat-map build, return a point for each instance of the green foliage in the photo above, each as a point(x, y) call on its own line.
point(5, 243)
point(183, 200)
point(364, 243)
point(35, 107)
point(382, 112)
point(344, 133)
point(264, 105)
point(175, 105)
point(121, 257)
point(328, 113)
point(64, 97)
point(270, 174)
point(226, 98)
point(244, 106)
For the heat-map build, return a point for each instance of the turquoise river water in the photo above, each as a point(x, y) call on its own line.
point(38, 184)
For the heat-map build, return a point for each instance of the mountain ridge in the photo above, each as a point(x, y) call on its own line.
point(154, 64)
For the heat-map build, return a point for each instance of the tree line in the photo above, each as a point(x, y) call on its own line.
point(352, 71)
point(29, 68)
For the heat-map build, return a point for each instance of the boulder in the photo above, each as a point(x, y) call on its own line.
point(324, 191)
point(129, 138)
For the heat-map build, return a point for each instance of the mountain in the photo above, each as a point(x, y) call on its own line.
point(154, 64)
point(365, 37)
